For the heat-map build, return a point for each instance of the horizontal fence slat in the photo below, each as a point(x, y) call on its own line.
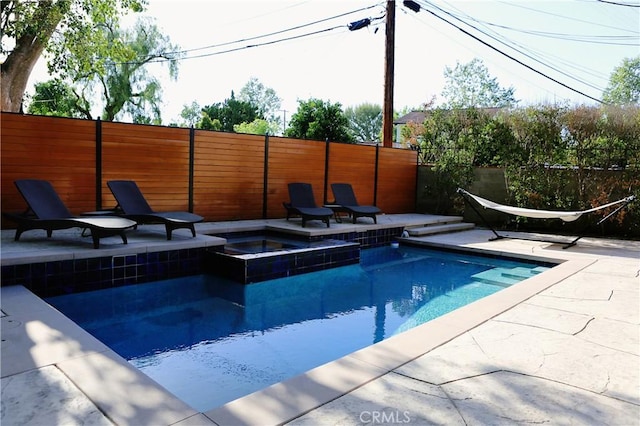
point(228, 168)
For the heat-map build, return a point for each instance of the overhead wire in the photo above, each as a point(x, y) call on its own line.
point(572, 18)
point(427, 5)
point(574, 37)
point(570, 37)
point(175, 55)
point(249, 46)
point(531, 82)
point(607, 39)
point(541, 58)
point(507, 55)
point(618, 3)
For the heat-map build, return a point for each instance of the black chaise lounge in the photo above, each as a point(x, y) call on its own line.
point(47, 211)
point(133, 205)
point(303, 203)
point(346, 199)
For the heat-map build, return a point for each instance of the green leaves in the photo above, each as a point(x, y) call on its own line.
point(471, 86)
point(365, 122)
point(56, 98)
point(263, 98)
point(624, 83)
point(75, 35)
point(319, 120)
point(227, 114)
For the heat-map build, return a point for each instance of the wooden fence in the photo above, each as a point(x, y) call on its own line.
point(221, 176)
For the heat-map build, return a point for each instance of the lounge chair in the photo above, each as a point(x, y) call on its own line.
point(133, 205)
point(48, 212)
point(303, 203)
point(346, 199)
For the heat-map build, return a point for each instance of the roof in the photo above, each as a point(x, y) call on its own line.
point(413, 116)
point(420, 116)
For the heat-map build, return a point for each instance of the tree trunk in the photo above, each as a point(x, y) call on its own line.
point(16, 71)
point(17, 68)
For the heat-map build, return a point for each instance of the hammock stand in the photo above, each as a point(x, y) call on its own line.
point(567, 216)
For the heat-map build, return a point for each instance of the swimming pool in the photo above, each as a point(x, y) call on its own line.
point(210, 341)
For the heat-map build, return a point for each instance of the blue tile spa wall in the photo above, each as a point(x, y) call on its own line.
point(267, 266)
point(72, 276)
point(367, 239)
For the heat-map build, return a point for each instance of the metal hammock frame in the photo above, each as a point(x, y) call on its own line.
point(566, 216)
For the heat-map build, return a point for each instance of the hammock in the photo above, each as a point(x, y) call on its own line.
point(566, 216)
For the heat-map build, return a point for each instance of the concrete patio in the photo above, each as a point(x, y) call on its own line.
point(560, 348)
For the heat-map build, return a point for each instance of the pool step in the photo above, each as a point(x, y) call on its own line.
point(523, 273)
point(504, 277)
point(439, 229)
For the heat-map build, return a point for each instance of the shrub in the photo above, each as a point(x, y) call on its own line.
point(555, 157)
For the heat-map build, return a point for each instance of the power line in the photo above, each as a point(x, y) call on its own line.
point(544, 12)
point(466, 46)
point(523, 51)
point(297, 27)
point(550, 58)
point(250, 46)
point(593, 39)
point(508, 55)
point(619, 4)
point(266, 43)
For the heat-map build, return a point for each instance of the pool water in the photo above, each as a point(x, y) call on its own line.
point(210, 341)
point(252, 245)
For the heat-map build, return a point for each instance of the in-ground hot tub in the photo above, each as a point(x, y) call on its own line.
point(255, 258)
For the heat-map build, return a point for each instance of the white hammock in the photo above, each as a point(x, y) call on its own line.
point(567, 216)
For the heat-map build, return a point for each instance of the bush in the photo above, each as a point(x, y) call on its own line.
point(555, 157)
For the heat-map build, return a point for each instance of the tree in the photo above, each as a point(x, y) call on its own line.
point(29, 29)
point(258, 126)
point(470, 85)
point(190, 115)
point(624, 83)
point(209, 124)
point(319, 120)
point(228, 113)
point(126, 86)
point(365, 122)
point(56, 98)
point(264, 99)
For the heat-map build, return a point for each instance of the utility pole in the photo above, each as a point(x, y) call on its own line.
point(387, 110)
point(284, 121)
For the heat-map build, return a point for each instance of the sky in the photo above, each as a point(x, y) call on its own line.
point(312, 53)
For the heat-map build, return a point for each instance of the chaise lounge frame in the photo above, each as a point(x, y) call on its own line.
point(346, 199)
point(302, 203)
point(46, 211)
point(132, 204)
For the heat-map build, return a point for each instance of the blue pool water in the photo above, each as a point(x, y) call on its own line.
point(210, 341)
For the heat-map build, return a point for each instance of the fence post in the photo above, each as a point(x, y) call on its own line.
point(326, 171)
point(192, 153)
point(375, 176)
point(98, 164)
point(415, 194)
point(265, 176)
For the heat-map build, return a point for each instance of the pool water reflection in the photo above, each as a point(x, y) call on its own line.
point(209, 340)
